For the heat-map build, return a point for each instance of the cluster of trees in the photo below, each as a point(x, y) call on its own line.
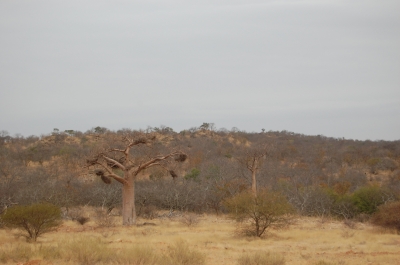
point(197, 170)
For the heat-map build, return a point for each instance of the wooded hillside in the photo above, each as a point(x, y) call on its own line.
point(319, 175)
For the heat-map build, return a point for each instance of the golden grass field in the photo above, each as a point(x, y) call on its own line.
point(307, 241)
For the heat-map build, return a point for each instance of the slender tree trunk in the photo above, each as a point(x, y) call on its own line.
point(254, 182)
point(128, 203)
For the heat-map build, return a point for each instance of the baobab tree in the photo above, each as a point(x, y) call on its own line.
point(122, 165)
point(251, 158)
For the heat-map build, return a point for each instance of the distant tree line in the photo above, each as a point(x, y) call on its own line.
point(318, 175)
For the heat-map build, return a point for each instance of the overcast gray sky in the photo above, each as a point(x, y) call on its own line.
point(314, 67)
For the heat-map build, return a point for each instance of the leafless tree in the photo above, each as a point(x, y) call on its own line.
point(124, 164)
point(251, 158)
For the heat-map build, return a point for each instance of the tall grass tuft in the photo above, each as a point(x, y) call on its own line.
point(180, 254)
point(85, 251)
point(137, 256)
point(15, 252)
point(264, 258)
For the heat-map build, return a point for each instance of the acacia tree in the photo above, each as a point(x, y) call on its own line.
point(124, 166)
point(257, 213)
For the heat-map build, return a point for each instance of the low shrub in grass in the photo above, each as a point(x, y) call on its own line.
point(104, 219)
point(190, 219)
point(256, 214)
point(83, 220)
point(35, 219)
point(388, 216)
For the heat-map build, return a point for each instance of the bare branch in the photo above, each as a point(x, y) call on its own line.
point(117, 150)
point(154, 161)
point(114, 162)
point(112, 174)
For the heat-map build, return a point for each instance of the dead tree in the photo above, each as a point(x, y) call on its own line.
point(251, 158)
point(109, 162)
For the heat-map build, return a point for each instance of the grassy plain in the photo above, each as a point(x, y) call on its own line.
point(213, 239)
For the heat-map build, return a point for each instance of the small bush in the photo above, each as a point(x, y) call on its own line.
point(388, 216)
point(362, 218)
point(261, 259)
point(257, 213)
point(367, 199)
point(148, 212)
point(193, 174)
point(35, 219)
point(82, 220)
point(190, 219)
point(350, 223)
point(103, 219)
point(77, 214)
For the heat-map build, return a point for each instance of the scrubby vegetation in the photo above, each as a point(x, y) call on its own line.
point(314, 176)
point(93, 250)
point(320, 176)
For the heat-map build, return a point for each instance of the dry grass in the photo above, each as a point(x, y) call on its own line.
point(211, 241)
point(261, 258)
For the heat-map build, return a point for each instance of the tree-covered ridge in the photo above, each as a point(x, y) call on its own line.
point(319, 175)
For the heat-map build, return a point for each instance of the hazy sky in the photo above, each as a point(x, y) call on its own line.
point(314, 67)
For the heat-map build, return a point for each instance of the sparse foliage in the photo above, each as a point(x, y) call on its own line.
point(190, 219)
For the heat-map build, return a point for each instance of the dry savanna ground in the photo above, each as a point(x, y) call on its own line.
point(212, 240)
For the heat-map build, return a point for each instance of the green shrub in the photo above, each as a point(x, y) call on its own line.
point(367, 199)
point(193, 174)
point(344, 207)
point(388, 216)
point(261, 259)
point(257, 213)
point(35, 219)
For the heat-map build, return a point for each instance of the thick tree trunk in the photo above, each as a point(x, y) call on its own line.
point(128, 203)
